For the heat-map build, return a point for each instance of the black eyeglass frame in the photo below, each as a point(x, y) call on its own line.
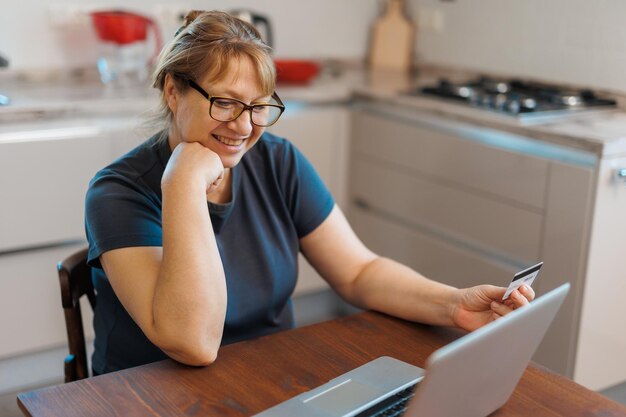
point(280, 105)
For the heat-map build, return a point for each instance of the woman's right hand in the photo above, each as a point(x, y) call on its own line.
point(190, 163)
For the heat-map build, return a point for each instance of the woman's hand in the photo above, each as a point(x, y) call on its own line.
point(190, 163)
point(477, 306)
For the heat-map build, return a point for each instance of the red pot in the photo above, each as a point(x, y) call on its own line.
point(123, 28)
point(296, 71)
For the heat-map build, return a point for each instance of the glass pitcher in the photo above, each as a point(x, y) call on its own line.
point(124, 48)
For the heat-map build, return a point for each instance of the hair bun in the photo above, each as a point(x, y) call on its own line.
point(189, 17)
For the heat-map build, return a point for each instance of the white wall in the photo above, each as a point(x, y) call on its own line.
point(320, 28)
point(571, 41)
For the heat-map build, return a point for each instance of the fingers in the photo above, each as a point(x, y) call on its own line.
point(509, 303)
point(527, 292)
point(215, 184)
point(500, 309)
point(219, 179)
point(516, 300)
point(491, 292)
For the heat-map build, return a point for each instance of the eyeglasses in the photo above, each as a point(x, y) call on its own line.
point(226, 109)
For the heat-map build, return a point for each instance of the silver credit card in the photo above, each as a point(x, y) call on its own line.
point(527, 276)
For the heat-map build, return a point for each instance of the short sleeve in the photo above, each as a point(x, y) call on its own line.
point(308, 198)
point(120, 212)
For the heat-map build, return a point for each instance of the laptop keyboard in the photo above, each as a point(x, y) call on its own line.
point(392, 406)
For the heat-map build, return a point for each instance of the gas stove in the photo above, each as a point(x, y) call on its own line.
point(516, 98)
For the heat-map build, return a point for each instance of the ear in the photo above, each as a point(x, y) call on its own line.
point(170, 92)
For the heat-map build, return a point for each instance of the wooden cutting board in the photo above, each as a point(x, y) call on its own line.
point(391, 42)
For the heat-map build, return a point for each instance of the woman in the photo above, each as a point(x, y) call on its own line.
point(194, 234)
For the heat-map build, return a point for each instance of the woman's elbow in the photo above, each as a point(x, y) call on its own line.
point(201, 357)
point(190, 350)
point(195, 355)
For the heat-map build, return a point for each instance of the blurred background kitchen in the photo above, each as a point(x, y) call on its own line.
point(500, 122)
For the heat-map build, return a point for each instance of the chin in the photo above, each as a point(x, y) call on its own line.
point(229, 161)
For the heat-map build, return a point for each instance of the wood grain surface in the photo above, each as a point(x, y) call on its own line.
point(251, 376)
point(391, 41)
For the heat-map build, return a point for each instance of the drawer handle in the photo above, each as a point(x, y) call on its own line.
point(360, 203)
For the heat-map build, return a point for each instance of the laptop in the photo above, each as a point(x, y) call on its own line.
point(471, 377)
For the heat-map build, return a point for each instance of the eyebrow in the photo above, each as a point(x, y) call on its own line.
point(233, 94)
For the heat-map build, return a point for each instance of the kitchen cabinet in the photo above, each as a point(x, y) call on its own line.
point(602, 342)
point(31, 316)
point(320, 131)
point(45, 168)
point(43, 185)
point(467, 205)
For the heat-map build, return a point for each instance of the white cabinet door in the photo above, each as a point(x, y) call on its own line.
point(453, 156)
point(321, 133)
point(43, 181)
point(43, 185)
point(126, 141)
point(464, 216)
point(451, 185)
point(602, 341)
point(31, 315)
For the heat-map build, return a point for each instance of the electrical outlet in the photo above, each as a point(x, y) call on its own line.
point(430, 20)
point(438, 21)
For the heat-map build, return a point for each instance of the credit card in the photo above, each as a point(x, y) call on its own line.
point(527, 276)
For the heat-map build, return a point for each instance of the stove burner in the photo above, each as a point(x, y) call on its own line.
point(515, 97)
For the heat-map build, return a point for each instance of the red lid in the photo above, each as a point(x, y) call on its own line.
point(120, 27)
point(295, 70)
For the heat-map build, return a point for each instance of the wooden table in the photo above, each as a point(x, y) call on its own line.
point(251, 376)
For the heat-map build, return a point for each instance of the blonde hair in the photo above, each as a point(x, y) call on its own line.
point(206, 45)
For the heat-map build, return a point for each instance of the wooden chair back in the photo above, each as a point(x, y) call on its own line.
point(75, 280)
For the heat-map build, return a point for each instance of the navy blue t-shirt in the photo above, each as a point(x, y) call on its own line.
point(277, 198)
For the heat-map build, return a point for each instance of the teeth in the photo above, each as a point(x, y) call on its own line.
point(227, 141)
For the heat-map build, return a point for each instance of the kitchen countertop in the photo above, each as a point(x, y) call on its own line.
point(43, 100)
point(602, 133)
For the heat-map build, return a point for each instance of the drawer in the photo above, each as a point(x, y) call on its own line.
point(434, 258)
point(474, 219)
point(43, 185)
point(31, 315)
point(445, 156)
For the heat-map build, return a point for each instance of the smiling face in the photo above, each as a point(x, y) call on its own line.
point(191, 121)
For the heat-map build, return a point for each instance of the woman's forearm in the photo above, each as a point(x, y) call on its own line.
point(392, 288)
point(189, 305)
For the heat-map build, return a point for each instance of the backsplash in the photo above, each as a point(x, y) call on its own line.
point(35, 35)
point(566, 41)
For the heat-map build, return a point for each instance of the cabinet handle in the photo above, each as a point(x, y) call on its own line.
point(620, 173)
point(360, 203)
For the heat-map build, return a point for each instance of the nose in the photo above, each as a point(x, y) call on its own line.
point(242, 125)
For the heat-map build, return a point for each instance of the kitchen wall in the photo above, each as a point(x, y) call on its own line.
point(42, 34)
point(570, 41)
